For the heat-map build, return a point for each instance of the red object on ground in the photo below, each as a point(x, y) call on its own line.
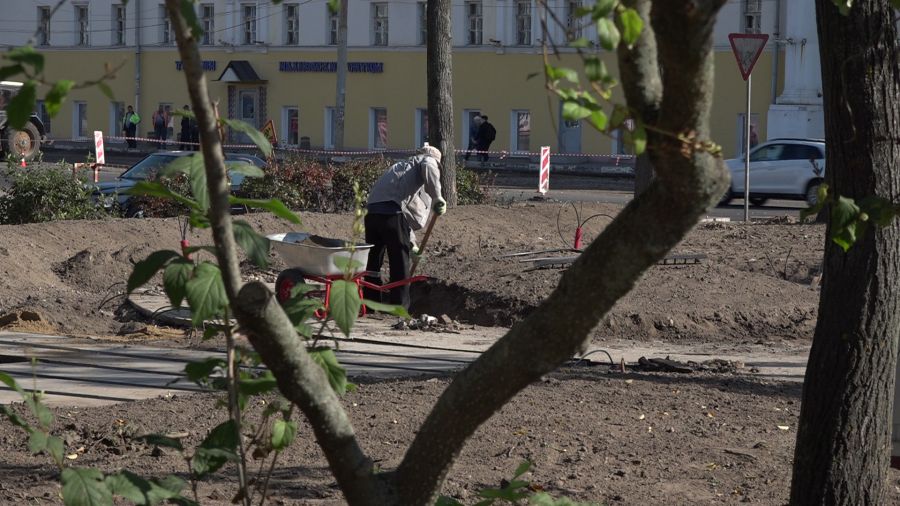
point(23, 163)
point(185, 244)
point(283, 288)
point(578, 235)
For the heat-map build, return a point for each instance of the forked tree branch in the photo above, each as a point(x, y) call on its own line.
point(652, 224)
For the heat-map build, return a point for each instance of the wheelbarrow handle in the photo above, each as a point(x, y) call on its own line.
point(428, 229)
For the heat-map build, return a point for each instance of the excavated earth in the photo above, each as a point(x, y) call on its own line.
point(593, 435)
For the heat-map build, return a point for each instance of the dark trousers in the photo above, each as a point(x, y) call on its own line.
point(129, 133)
point(388, 232)
point(160, 136)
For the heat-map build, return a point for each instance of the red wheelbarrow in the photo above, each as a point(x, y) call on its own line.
point(312, 261)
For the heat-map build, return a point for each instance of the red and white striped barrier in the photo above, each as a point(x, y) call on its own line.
point(544, 172)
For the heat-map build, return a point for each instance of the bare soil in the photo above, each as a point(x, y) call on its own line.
point(636, 438)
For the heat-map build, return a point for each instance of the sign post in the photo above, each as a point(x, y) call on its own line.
point(747, 47)
point(100, 155)
point(544, 173)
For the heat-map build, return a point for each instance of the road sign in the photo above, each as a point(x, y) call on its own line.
point(98, 147)
point(544, 175)
point(269, 131)
point(747, 47)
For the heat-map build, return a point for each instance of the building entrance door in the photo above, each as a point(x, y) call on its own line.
point(248, 111)
point(569, 134)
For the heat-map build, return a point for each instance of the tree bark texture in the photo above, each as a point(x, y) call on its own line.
point(639, 72)
point(844, 436)
point(439, 78)
point(687, 183)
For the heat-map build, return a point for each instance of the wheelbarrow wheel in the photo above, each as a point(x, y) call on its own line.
point(285, 283)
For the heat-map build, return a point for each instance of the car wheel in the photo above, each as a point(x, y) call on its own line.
point(726, 199)
point(758, 201)
point(812, 193)
point(25, 143)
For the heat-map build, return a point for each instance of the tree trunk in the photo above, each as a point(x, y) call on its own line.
point(341, 92)
point(439, 69)
point(844, 437)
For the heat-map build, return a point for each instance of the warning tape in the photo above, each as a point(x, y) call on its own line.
point(501, 154)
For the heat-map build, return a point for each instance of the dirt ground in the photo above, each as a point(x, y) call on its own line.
point(639, 438)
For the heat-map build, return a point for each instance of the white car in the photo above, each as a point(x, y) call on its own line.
point(789, 169)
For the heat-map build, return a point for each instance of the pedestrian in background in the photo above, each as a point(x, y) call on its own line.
point(486, 135)
point(129, 125)
point(160, 120)
point(186, 129)
point(473, 135)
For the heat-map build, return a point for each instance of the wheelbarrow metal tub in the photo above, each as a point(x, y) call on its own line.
point(316, 255)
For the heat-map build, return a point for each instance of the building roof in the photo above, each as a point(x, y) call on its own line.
point(240, 71)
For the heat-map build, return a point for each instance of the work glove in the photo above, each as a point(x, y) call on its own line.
point(415, 251)
point(440, 206)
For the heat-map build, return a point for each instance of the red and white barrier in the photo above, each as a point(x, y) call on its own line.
point(98, 147)
point(544, 173)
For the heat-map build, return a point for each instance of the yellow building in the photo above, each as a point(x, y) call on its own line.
point(267, 62)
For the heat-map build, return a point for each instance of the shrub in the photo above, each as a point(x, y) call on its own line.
point(364, 171)
point(46, 194)
point(299, 183)
point(157, 207)
point(471, 187)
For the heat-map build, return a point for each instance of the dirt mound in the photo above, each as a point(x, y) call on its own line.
point(96, 270)
point(25, 321)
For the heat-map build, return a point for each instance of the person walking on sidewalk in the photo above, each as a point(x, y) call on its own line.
point(473, 135)
point(159, 126)
point(398, 204)
point(186, 130)
point(129, 125)
point(486, 135)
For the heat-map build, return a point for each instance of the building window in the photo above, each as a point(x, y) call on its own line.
point(44, 26)
point(378, 122)
point(423, 23)
point(118, 25)
point(291, 24)
point(290, 125)
point(521, 125)
point(421, 126)
point(573, 22)
point(332, 28)
point(165, 27)
point(82, 27)
point(330, 121)
point(248, 21)
point(752, 16)
point(79, 120)
point(42, 113)
point(473, 23)
point(380, 24)
point(207, 20)
point(523, 22)
point(116, 118)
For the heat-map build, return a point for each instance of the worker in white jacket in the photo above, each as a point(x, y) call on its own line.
point(399, 204)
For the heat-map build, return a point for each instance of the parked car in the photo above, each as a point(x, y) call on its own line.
point(790, 169)
point(110, 192)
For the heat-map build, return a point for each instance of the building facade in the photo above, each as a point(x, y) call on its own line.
point(277, 62)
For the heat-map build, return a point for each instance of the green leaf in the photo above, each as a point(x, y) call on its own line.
point(557, 73)
point(522, 469)
point(199, 372)
point(156, 189)
point(327, 360)
point(84, 487)
point(447, 501)
point(206, 293)
point(844, 6)
point(598, 119)
point(217, 449)
point(175, 279)
point(283, 432)
point(821, 201)
point(386, 308)
point(192, 166)
point(190, 17)
point(14, 418)
point(574, 111)
point(347, 263)
point(595, 69)
point(54, 98)
point(55, 448)
point(602, 8)
point(26, 55)
point(106, 90)
point(11, 383)
point(637, 138)
point(619, 115)
point(608, 34)
point(334, 6)
point(160, 440)
point(254, 245)
point(19, 109)
point(10, 71)
point(37, 441)
point(255, 135)
point(146, 269)
point(247, 169)
point(38, 409)
point(631, 24)
point(274, 206)
point(580, 42)
point(256, 386)
point(345, 303)
point(145, 492)
point(846, 226)
point(879, 211)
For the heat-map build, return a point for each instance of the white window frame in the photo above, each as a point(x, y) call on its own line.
point(208, 22)
point(373, 127)
point(286, 124)
point(474, 24)
point(249, 24)
point(380, 19)
point(332, 32)
point(514, 144)
point(421, 133)
point(76, 119)
point(40, 108)
point(328, 138)
point(422, 15)
point(44, 25)
point(573, 22)
point(82, 25)
point(116, 115)
point(119, 25)
point(166, 35)
point(291, 24)
point(752, 16)
point(524, 22)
